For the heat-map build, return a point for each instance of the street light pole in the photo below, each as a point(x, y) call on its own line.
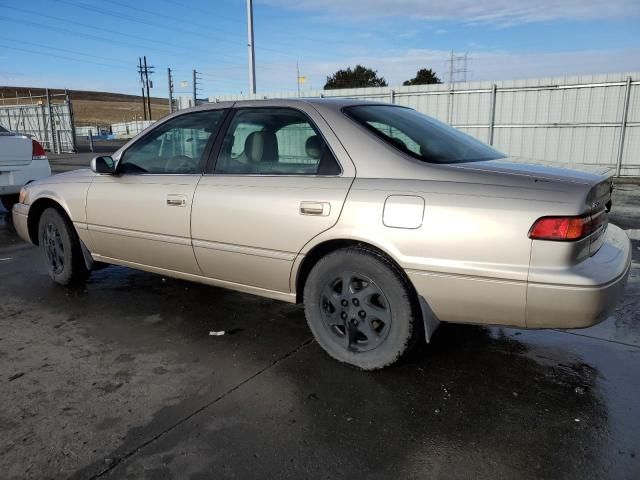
point(170, 80)
point(252, 60)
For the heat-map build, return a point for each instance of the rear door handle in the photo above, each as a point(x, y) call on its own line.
point(315, 208)
point(176, 200)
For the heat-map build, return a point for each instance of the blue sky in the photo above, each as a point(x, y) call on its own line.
point(95, 44)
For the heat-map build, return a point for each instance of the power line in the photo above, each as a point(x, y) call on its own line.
point(202, 10)
point(161, 15)
point(75, 34)
point(60, 56)
point(134, 19)
point(173, 27)
point(217, 15)
point(111, 59)
point(110, 40)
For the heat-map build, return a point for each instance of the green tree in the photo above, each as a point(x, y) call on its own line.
point(425, 76)
point(355, 78)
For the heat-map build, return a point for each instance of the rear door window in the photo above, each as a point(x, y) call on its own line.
point(274, 141)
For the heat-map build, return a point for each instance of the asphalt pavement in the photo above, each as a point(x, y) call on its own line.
point(121, 379)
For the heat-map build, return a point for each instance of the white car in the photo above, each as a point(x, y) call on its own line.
point(22, 160)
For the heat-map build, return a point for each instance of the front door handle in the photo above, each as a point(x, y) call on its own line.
point(315, 208)
point(176, 200)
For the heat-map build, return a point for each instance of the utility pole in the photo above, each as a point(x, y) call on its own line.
point(298, 78)
point(252, 60)
point(170, 80)
point(195, 87)
point(144, 102)
point(148, 83)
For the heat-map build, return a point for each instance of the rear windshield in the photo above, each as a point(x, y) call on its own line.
point(420, 136)
point(3, 130)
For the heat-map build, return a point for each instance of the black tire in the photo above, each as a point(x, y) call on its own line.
point(60, 248)
point(378, 312)
point(8, 201)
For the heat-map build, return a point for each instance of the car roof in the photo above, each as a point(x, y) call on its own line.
point(332, 103)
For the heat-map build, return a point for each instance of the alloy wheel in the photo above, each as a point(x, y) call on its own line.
point(355, 311)
point(53, 248)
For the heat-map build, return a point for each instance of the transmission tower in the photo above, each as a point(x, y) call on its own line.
point(458, 67)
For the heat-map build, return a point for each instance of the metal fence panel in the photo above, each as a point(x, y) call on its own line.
point(129, 129)
point(48, 121)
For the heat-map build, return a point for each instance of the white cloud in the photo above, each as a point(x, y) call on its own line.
point(483, 65)
point(503, 12)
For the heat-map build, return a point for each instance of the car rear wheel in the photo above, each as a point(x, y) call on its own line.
point(61, 249)
point(8, 201)
point(360, 308)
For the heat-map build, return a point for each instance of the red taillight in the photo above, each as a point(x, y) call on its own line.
point(37, 152)
point(561, 228)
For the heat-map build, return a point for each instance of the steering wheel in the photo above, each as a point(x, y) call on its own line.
point(179, 164)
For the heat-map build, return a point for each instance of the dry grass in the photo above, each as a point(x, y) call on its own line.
point(101, 112)
point(94, 108)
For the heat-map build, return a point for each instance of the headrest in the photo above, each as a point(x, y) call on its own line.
point(313, 146)
point(261, 147)
point(398, 143)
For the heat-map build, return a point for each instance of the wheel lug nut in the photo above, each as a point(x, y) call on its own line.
point(343, 315)
point(356, 302)
point(354, 321)
point(344, 303)
point(362, 313)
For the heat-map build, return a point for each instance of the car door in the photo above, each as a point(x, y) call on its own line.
point(141, 215)
point(280, 178)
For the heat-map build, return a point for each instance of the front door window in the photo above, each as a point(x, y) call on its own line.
point(176, 147)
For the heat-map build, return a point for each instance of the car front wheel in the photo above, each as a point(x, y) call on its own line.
point(360, 309)
point(61, 249)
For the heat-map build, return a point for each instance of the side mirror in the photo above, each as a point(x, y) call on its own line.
point(105, 165)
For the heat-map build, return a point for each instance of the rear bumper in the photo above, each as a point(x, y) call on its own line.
point(574, 297)
point(11, 181)
point(561, 305)
point(20, 217)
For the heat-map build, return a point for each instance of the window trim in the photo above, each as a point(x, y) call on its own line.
point(202, 163)
point(233, 111)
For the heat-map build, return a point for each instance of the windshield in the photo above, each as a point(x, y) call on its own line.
point(420, 136)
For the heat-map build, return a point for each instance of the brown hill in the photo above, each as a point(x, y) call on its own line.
point(91, 108)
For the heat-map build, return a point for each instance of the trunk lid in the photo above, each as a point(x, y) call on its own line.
point(599, 205)
point(584, 174)
point(596, 179)
point(15, 151)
